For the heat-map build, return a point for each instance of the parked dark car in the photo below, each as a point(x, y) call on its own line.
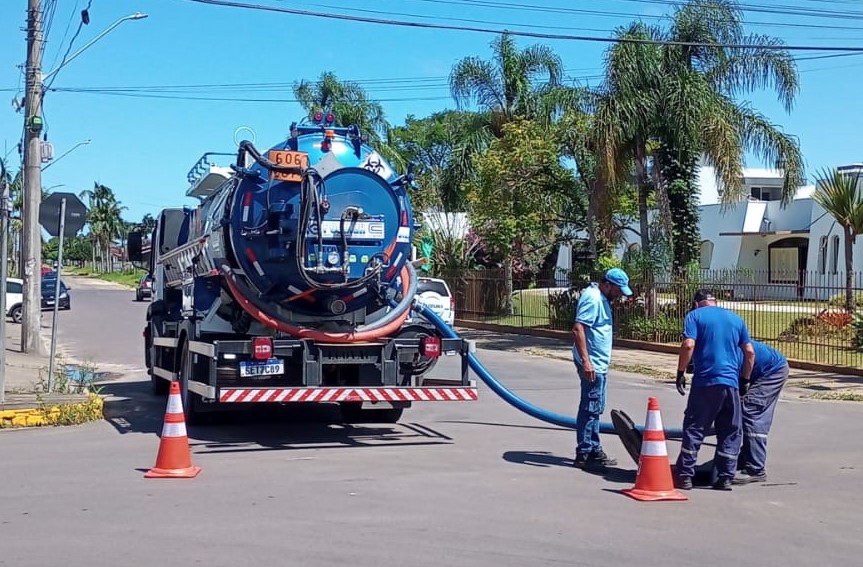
point(144, 287)
point(49, 286)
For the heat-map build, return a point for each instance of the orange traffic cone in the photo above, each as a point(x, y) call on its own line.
point(174, 459)
point(654, 480)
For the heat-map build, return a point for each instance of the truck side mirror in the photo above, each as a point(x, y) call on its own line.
point(138, 249)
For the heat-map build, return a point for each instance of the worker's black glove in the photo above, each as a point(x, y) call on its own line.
point(744, 387)
point(681, 382)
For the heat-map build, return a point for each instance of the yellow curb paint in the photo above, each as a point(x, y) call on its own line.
point(36, 417)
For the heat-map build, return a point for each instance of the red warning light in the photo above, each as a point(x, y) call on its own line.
point(318, 116)
point(330, 118)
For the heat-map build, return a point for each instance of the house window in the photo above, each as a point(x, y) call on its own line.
point(706, 254)
point(834, 257)
point(765, 193)
point(822, 255)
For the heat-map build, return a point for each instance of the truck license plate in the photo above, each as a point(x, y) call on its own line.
point(269, 367)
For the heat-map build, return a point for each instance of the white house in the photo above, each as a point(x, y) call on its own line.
point(759, 249)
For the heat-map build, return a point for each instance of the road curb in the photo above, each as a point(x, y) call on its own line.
point(42, 414)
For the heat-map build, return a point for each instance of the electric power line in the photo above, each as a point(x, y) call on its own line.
point(521, 7)
point(539, 35)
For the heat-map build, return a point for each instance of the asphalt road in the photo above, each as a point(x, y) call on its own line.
point(453, 484)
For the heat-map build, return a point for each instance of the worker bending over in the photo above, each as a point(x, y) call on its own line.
point(713, 339)
point(760, 396)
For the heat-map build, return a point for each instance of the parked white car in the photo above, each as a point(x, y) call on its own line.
point(14, 299)
point(435, 293)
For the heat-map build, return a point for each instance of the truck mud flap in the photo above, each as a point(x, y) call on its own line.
point(629, 435)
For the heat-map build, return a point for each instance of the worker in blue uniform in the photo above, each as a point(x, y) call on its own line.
point(714, 339)
point(760, 396)
point(591, 352)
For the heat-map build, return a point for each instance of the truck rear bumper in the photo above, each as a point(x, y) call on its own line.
point(347, 394)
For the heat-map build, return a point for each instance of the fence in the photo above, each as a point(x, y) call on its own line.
point(806, 319)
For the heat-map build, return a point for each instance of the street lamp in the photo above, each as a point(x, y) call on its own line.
point(67, 152)
point(66, 60)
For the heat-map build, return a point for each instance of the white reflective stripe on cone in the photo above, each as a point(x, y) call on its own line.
point(654, 421)
point(654, 449)
point(175, 404)
point(174, 430)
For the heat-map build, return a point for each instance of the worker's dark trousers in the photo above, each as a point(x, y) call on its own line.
point(759, 403)
point(720, 406)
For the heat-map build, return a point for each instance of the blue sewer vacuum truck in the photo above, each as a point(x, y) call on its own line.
point(292, 281)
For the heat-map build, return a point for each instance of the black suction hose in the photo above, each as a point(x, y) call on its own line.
point(520, 404)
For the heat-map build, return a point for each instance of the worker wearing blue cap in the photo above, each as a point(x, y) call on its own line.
point(591, 352)
point(713, 340)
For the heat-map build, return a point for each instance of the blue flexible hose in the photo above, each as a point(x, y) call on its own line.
point(520, 404)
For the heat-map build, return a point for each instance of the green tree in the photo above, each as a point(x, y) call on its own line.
point(841, 195)
point(519, 195)
point(441, 146)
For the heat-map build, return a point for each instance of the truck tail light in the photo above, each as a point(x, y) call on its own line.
point(263, 348)
point(430, 347)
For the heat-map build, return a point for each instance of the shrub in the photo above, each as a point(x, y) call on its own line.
point(561, 308)
point(634, 324)
point(836, 318)
point(812, 328)
point(838, 300)
point(857, 337)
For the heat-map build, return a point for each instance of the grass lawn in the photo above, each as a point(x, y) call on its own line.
point(128, 279)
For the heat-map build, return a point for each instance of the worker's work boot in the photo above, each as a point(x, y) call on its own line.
point(580, 460)
point(745, 477)
point(722, 484)
point(683, 483)
point(600, 459)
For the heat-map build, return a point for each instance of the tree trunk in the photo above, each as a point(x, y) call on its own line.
point(849, 266)
point(678, 169)
point(641, 182)
point(508, 307)
point(647, 267)
point(591, 218)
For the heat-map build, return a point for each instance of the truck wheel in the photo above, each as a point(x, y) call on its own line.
point(353, 412)
point(191, 401)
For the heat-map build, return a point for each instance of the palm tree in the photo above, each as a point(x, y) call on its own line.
point(515, 84)
point(625, 117)
point(680, 97)
point(841, 195)
point(700, 113)
point(104, 219)
point(351, 105)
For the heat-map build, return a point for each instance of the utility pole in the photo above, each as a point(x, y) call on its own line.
point(31, 340)
point(4, 265)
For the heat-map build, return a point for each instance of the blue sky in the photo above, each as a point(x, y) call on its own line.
point(143, 147)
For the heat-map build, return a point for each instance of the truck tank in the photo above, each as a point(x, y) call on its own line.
point(312, 234)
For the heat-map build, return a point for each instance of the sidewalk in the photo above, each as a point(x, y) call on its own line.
point(662, 366)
